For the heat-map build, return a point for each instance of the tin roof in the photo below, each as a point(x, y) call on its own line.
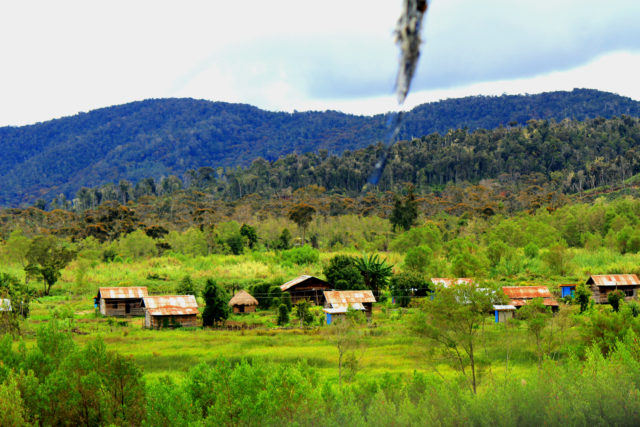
point(504, 307)
point(614, 280)
point(520, 294)
point(349, 298)
point(568, 286)
point(301, 279)
point(447, 281)
point(123, 292)
point(168, 305)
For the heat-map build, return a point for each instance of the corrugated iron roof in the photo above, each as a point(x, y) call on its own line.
point(567, 286)
point(301, 279)
point(504, 307)
point(520, 295)
point(123, 292)
point(346, 298)
point(169, 305)
point(615, 279)
point(447, 281)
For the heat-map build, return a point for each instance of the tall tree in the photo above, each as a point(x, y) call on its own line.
point(302, 214)
point(46, 257)
point(405, 212)
point(216, 304)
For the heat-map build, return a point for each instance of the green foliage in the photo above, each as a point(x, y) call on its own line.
point(418, 259)
point(250, 234)
point(558, 260)
point(405, 212)
point(303, 313)
point(46, 258)
point(286, 300)
point(137, 245)
point(531, 250)
point(284, 240)
point(614, 298)
point(216, 302)
point(582, 297)
point(428, 235)
point(375, 272)
point(302, 214)
point(409, 284)
point(302, 255)
point(536, 316)
point(343, 273)
point(283, 315)
point(187, 287)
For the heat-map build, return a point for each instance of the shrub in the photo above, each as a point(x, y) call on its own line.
point(283, 315)
point(343, 273)
point(301, 256)
point(418, 259)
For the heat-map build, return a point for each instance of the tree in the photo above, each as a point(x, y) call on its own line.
point(536, 315)
point(583, 297)
point(286, 300)
point(343, 273)
point(408, 284)
point(346, 334)
point(16, 292)
point(250, 234)
point(284, 240)
point(418, 259)
point(303, 313)
point(454, 319)
point(405, 212)
point(216, 304)
point(374, 271)
point(614, 298)
point(302, 214)
point(46, 258)
point(283, 315)
point(16, 248)
point(186, 287)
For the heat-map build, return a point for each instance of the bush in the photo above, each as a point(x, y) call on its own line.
point(418, 259)
point(301, 256)
point(343, 273)
point(283, 315)
point(531, 250)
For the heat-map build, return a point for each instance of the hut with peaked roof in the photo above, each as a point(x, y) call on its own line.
point(338, 302)
point(121, 301)
point(521, 295)
point(243, 302)
point(170, 311)
point(306, 288)
point(602, 285)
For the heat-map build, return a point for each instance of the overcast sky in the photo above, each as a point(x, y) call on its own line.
point(61, 57)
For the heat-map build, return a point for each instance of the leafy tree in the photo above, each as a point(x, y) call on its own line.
point(453, 319)
point(536, 315)
point(346, 334)
point(614, 298)
point(235, 243)
point(187, 287)
point(17, 293)
point(405, 212)
point(408, 284)
point(286, 300)
point(583, 297)
point(531, 250)
point(16, 248)
point(418, 259)
point(250, 234)
point(302, 214)
point(216, 304)
point(46, 258)
point(303, 313)
point(343, 273)
point(284, 240)
point(375, 272)
point(283, 315)
point(558, 260)
point(301, 255)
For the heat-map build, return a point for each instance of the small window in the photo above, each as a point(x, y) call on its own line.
point(629, 292)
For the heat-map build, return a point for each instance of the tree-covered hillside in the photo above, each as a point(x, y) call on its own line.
point(156, 138)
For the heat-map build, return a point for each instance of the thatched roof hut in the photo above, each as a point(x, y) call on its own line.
point(243, 302)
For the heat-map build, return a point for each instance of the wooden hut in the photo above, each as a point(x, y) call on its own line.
point(170, 311)
point(338, 302)
point(602, 285)
point(567, 290)
point(126, 301)
point(243, 302)
point(306, 287)
point(447, 281)
point(521, 295)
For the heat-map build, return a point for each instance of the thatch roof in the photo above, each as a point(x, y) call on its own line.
point(243, 298)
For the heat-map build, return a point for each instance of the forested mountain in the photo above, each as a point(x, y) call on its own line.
point(156, 138)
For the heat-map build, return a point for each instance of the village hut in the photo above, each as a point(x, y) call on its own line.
point(521, 295)
point(447, 282)
point(567, 290)
point(123, 301)
point(243, 302)
point(602, 285)
point(338, 302)
point(504, 312)
point(306, 288)
point(170, 311)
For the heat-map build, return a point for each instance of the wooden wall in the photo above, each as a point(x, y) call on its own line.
point(118, 307)
point(244, 309)
point(158, 322)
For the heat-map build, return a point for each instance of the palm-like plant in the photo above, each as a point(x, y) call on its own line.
point(375, 272)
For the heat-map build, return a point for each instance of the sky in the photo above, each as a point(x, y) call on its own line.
point(68, 56)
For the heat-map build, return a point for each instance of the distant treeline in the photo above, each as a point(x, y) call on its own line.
point(164, 137)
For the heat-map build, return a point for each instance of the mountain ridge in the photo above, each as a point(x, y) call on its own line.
point(161, 137)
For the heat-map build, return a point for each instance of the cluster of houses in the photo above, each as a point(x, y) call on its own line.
point(182, 310)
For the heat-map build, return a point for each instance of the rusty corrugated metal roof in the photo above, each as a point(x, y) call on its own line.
point(520, 295)
point(568, 286)
point(615, 279)
point(301, 279)
point(123, 292)
point(168, 305)
point(346, 298)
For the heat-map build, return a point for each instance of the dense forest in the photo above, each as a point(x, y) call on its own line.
point(164, 137)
